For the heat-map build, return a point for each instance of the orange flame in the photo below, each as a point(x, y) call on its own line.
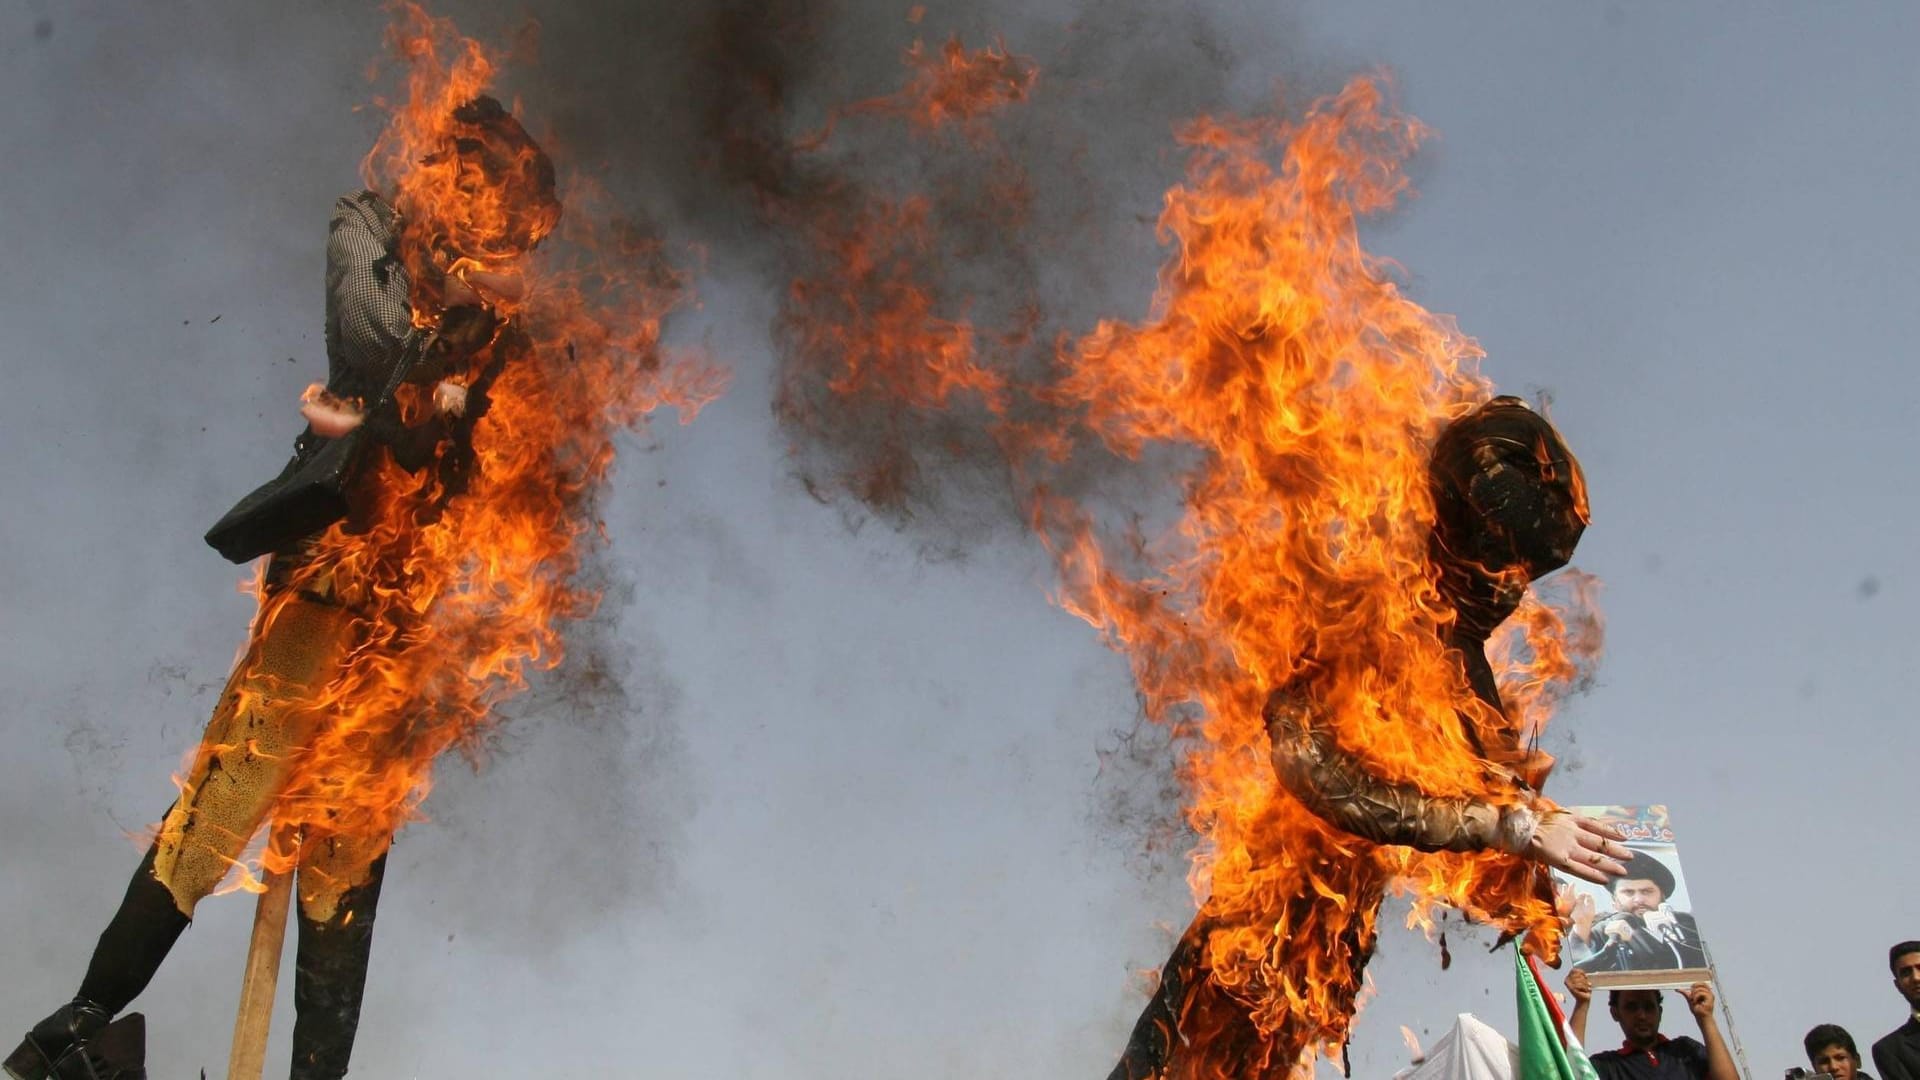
point(1548, 648)
point(956, 85)
point(459, 595)
point(864, 320)
point(1311, 388)
point(871, 319)
point(1301, 390)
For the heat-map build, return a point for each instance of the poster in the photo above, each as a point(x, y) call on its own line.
point(1637, 931)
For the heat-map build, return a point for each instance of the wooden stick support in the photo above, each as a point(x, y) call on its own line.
point(262, 977)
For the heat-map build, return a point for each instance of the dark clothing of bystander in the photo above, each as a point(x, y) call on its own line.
point(1668, 1059)
point(1897, 1054)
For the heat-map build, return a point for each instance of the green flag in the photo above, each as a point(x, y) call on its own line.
point(1542, 1054)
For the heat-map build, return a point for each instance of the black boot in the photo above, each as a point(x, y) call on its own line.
point(68, 1029)
point(130, 950)
point(330, 975)
point(78, 1042)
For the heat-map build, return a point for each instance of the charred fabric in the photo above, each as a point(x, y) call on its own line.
point(1511, 504)
point(313, 616)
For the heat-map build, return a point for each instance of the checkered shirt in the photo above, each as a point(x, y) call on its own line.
point(369, 322)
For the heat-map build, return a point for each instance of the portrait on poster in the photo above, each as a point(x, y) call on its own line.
point(1638, 930)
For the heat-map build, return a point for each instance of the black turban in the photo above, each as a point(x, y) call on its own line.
point(1644, 867)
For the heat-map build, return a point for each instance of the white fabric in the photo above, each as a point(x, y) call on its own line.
point(1469, 1051)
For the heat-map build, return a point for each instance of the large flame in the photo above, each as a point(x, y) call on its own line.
point(1297, 391)
point(459, 598)
point(1311, 388)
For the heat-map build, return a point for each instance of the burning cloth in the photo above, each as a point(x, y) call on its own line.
point(481, 414)
point(1510, 505)
point(1285, 494)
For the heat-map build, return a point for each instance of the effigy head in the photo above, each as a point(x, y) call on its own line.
point(1508, 494)
point(506, 179)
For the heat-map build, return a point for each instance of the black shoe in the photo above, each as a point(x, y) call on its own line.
point(81, 1042)
point(69, 1028)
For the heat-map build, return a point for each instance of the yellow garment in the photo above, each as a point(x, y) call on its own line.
point(248, 755)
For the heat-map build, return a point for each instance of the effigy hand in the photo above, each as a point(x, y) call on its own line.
point(469, 283)
point(498, 287)
point(450, 398)
point(1577, 846)
point(329, 414)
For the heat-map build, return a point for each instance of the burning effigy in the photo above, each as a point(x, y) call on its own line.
point(1320, 571)
point(1508, 506)
point(422, 548)
point(1325, 594)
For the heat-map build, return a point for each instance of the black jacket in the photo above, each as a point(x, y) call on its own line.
point(1897, 1054)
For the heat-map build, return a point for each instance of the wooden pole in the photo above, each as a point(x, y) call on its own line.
point(261, 978)
point(1726, 1010)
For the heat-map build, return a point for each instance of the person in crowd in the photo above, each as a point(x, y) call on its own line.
point(1897, 1054)
point(1646, 1053)
point(1830, 1052)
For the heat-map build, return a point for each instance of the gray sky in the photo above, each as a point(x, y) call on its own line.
point(853, 824)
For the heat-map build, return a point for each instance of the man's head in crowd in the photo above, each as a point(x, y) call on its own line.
point(1830, 1050)
point(1644, 887)
point(1904, 959)
point(1638, 1014)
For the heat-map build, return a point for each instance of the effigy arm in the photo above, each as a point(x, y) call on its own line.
point(1341, 790)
